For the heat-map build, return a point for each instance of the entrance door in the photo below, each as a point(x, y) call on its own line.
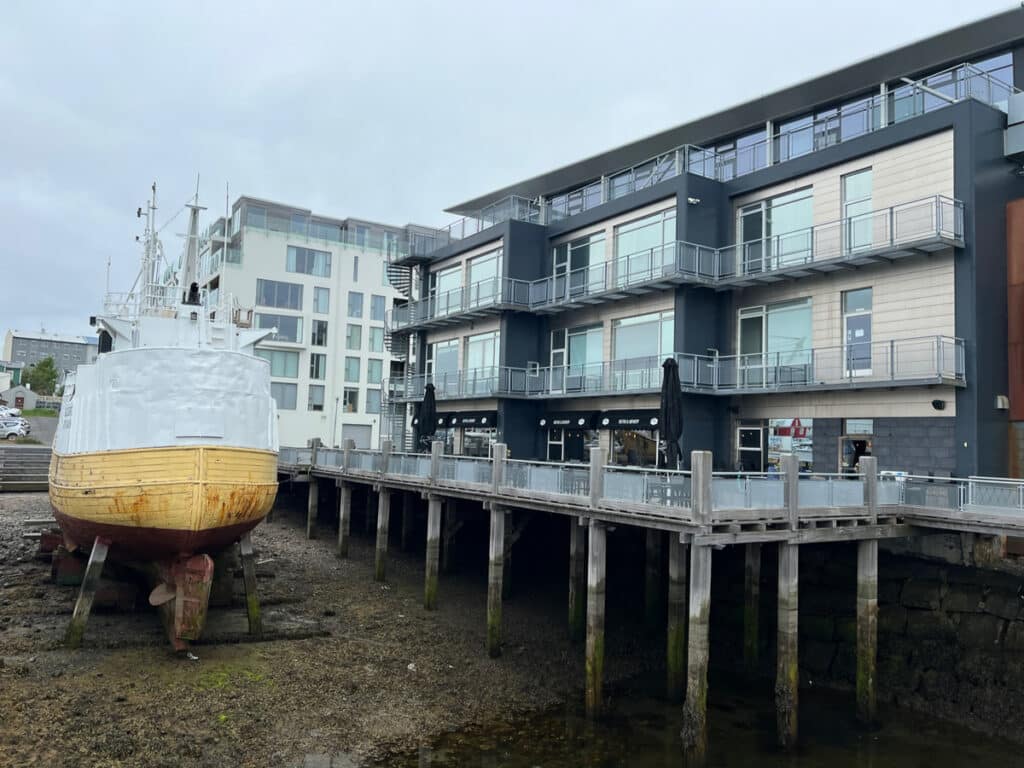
point(19, 402)
point(857, 331)
point(752, 232)
point(751, 348)
point(750, 449)
point(558, 360)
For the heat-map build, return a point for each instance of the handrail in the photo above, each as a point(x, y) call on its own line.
point(491, 292)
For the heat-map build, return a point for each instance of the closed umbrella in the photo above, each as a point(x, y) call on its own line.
point(427, 416)
point(670, 418)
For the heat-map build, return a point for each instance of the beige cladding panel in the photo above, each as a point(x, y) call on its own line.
point(850, 404)
point(462, 258)
point(903, 174)
point(910, 298)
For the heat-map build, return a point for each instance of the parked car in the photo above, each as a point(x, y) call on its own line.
point(12, 431)
point(22, 423)
point(6, 410)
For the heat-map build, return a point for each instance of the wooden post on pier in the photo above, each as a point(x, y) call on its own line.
point(695, 710)
point(787, 671)
point(867, 601)
point(577, 579)
point(311, 507)
point(408, 504)
point(433, 552)
point(494, 573)
point(383, 518)
point(676, 645)
point(751, 608)
point(344, 516)
point(653, 579)
point(449, 529)
point(371, 510)
point(596, 565)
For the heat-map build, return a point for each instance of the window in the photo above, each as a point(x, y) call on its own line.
point(578, 266)
point(774, 344)
point(373, 401)
point(446, 290)
point(857, 331)
point(644, 247)
point(300, 224)
point(377, 305)
point(316, 397)
point(322, 300)
point(256, 216)
point(352, 369)
point(376, 339)
point(308, 261)
point(284, 395)
point(271, 293)
point(576, 354)
point(776, 232)
point(482, 362)
point(643, 336)
point(857, 218)
point(319, 336)
point(350, 400)
point(442, 365)
point(354, 337)
point(484, 272)
point(374, 371)
point(317, 366)
point(384, 279)
point(355, 304)
point(355, 269)
point(283, 364)
point(289, 328)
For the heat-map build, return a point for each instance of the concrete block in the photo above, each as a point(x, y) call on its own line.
point(980, 631)
point(930, 625)
point(962, 599)
point(922, 594)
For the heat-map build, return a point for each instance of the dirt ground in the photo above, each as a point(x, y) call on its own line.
point(359, 671)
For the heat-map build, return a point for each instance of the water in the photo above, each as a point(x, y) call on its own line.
point(642, 731)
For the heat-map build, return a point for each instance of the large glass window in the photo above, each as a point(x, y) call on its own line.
point(271, 293)
point(643, 248)
point(308, 261)
point(354, 337)
point(579, 266)
point(319, 335)
point(857, 218)
point(442, 365)
point(355, 304)
point(373, 401)
point(482, 362)
point(289, 328)
point(283, 364)
point(374, 371)
point(285, 395)
point(446, 290)
point(317, 366)
point(322, 300)
point(774, 344)
point(483, 279)
point(377, 308)
point(350, 400)
point(316, 397)
point(776, 232)
point(648, 335)
point(352, 369)
point(376, 339)
point(256, 216)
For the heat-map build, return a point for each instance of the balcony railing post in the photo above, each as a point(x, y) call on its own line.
point(436, 451)
point(791, 489)
point(597, 461)
point(939, 355)
point(892, 359)
point(385, 456)
point(499, 451)
point(892, 225)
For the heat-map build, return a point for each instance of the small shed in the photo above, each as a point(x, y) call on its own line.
point(19, 397)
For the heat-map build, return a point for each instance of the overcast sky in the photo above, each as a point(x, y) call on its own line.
point(390, 111)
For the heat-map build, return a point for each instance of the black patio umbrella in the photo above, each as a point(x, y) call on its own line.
point(670, 417)
point(427, 415)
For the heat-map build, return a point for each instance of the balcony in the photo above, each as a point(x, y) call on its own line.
point(483, 298)
point(921, 361)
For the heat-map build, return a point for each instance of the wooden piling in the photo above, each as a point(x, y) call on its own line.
point(407, 502)
point(676, 635)
point(751, 608)
point(596, 568)
point(252, 600)
point(344, 517)
point(311, 507)
point(371, 510)
point(787, 671)
point(577, 579)
point(867, 629)
point(695, 709)
point(494, 575)
point(433, 552)
point(86, 593)
point(451, 526)
point(652, 580)
point(383, 517)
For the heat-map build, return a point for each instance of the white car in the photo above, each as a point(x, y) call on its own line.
point(8, 411)
point(12, 431)
point(22, 423)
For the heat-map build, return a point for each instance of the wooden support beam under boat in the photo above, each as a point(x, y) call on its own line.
point(83, 606)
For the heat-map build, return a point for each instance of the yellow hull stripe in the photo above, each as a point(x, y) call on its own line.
point(186, 488)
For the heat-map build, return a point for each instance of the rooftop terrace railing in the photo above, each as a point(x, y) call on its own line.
point(901, 103)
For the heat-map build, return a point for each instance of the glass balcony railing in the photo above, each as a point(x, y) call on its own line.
point(873, 113)
point(475, 298)
point(912, 361)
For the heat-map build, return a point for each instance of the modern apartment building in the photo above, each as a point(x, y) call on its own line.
point(26, 348)
point(325, 284)
point(827, 264)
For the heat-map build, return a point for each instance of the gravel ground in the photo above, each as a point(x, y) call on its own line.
point(362, 671)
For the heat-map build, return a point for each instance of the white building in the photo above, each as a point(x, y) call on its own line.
point(324, 284)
